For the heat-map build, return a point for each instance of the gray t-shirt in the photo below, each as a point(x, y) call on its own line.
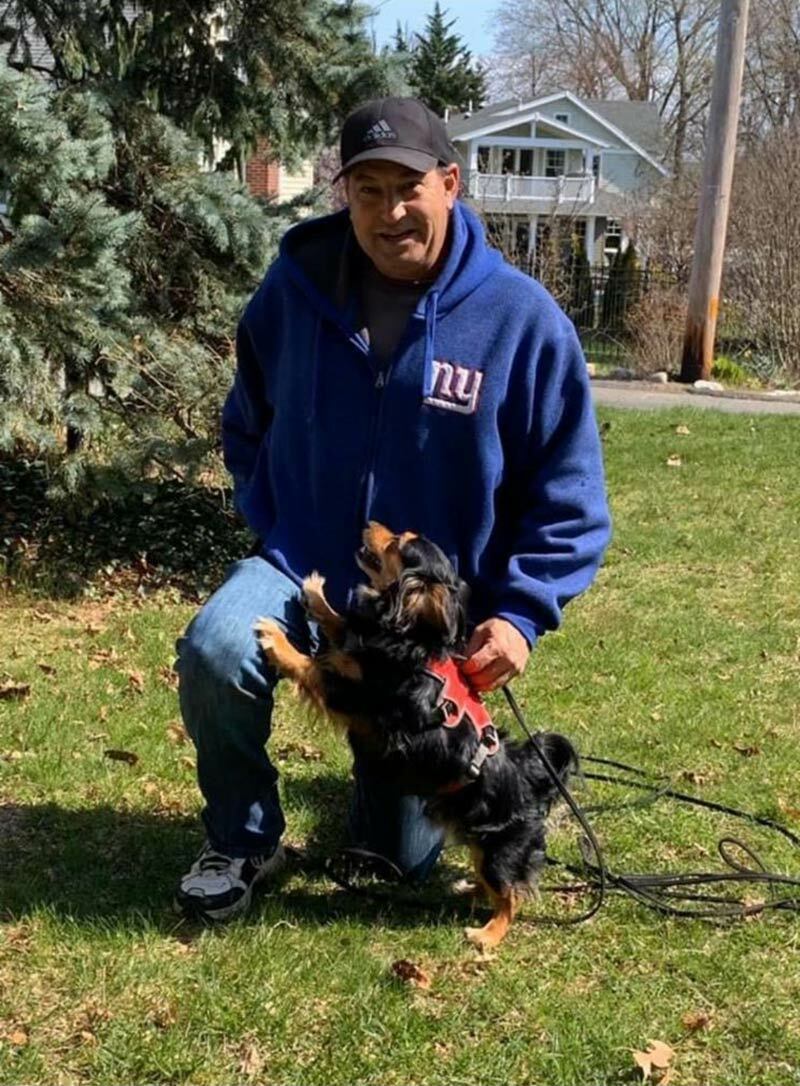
point(387, 306)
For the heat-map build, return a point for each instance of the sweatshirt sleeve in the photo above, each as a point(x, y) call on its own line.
point(246, 418)
point(562, 525)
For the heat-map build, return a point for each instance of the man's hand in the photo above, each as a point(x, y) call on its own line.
point(497, 652)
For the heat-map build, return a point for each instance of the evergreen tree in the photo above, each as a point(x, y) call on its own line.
point(233, 70)
point(622, 288)
point(441, 71)
point(581, 305)
point(124, 267)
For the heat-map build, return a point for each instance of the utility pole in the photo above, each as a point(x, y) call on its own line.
point(712, 212)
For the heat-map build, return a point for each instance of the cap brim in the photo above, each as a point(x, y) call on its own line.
point(403, 156)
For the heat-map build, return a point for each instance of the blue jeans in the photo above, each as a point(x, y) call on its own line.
point(226, 696)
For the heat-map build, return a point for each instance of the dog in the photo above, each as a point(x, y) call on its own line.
point(386, 675)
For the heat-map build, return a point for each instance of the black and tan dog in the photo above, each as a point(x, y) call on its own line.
point(387, 677)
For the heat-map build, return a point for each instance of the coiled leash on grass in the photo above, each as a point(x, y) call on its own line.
point(659, 891)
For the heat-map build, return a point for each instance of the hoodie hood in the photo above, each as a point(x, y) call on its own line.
point(321, 255)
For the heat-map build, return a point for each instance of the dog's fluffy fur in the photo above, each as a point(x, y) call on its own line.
point(371, 680)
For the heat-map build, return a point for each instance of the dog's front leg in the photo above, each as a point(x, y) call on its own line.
point(331, 623)
point(289, 661)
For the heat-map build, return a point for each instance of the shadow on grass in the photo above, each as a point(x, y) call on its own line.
point(121, 867)
point(152, 534)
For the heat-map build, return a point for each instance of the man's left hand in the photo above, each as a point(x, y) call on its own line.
point(497, 652)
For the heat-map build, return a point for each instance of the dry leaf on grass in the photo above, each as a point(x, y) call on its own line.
point(655, 1062)
point(251, 1062)
point(45, 668)
point(136, 681)
point(18, 1036)
point(411, 974)
point(694, 1021)
point(747, 750)
point(304, 751)
point(126, 756)
point(176, 733)
point(11, 691)
point(101, 657)
point(674, 461)
point(684, 431)
point(169, 676)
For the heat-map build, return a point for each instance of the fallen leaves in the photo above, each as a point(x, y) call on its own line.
point(655, 1062)
point(126, 756)
point(674, 461)
point(18, 1036)
point(251, 1060)
point(176, 734)
point(682, 431)
point(11, 691)
point(409, 973)
point(304, 751)
point(747, 750)
point(695, 1021)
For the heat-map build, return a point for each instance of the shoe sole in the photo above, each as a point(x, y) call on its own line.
point(192, 908)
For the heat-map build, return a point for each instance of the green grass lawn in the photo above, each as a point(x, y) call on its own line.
point(687, 648)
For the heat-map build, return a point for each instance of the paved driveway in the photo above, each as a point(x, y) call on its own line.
point(640, 395)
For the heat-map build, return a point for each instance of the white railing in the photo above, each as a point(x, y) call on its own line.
point(510, 186)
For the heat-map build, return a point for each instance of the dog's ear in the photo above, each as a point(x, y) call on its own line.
point(435, 605)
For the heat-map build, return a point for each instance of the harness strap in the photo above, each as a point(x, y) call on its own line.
point(458, 701)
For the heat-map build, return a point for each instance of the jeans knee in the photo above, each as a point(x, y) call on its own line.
point(219, 656)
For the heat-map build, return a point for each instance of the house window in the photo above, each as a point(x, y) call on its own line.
point(508, 160)
point(526, 161)
point(484, 154)
point(562, 118)
point(596, 167)
point(554, 163)
point(613, 236)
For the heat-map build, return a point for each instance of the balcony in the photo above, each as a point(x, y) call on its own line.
point(575, 191)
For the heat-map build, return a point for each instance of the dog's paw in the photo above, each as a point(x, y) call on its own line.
point(314, 594)
point(480, 939)
point(269, 636)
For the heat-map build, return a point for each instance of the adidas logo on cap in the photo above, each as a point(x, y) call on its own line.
point(380, 131)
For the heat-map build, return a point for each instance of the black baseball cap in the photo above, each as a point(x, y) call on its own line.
point(401, 130)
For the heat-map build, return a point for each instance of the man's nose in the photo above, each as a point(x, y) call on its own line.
point(393, 208)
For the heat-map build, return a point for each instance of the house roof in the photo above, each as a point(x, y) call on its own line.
point(636, 124)
point(640, 121)
point(41, 57)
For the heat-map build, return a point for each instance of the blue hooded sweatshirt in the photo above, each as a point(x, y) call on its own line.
point(479, 434)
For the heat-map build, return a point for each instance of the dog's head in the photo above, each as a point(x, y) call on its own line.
point(426, 598)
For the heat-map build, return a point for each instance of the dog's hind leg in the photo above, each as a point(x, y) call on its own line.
point(503, 900)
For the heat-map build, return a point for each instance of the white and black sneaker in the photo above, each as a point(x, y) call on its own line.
point(219, 887)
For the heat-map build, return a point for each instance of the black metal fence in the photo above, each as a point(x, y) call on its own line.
point(604, 302)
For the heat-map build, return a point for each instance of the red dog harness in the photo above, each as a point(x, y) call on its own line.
point(458, 700)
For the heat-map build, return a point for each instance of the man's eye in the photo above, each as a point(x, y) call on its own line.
point(368, 190)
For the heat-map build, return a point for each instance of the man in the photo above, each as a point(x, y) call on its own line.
point(391, 367)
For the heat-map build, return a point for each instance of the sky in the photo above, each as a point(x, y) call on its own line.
point(472, 19)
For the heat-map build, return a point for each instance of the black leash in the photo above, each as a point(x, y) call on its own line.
point(680, 894)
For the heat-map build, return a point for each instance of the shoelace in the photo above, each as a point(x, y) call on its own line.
point(214, 861)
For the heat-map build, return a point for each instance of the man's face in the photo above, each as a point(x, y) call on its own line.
point(400, 216)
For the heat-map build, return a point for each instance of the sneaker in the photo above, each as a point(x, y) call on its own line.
point(219, 887)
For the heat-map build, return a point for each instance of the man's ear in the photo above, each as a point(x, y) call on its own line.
point(452, 182)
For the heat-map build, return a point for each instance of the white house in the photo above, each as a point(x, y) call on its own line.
point(559, 155)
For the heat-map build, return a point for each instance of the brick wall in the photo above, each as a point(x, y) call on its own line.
point(261, 173)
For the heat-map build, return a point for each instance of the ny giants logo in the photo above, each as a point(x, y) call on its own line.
point(455, 388)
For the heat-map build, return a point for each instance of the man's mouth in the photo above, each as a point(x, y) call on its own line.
point(403, 235)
